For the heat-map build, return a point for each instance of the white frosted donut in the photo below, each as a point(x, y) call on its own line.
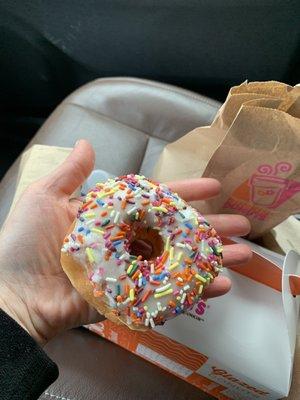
point(117, 220)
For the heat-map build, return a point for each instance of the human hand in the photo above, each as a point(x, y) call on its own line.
point(34, 290)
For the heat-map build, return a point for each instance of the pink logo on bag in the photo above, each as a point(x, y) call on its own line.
point(267, 189)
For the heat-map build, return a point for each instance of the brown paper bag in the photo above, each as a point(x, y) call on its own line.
point(258, 125)
point(239, 95)
point(189, 155)
point(258, 164)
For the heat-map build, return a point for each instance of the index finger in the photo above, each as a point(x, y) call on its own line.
point(196, 189)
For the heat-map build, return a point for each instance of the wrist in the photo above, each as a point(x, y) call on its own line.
point(17, 310)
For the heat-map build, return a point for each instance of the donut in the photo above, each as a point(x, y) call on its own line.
point(139, 253)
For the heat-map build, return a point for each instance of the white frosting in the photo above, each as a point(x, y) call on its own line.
point(192, 251)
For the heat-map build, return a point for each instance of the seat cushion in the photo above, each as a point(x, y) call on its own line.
point(127, 120)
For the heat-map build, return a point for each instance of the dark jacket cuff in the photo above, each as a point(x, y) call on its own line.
point(25, 369)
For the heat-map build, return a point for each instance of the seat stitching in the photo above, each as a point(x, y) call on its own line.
point(120, 123)
point(114, 120)
point(141, 163)
point(110, 119)
point(148, 143)
point(57, 396)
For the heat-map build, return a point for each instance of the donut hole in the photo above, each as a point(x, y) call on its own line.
point(146, 242)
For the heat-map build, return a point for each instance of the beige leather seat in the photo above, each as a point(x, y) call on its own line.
point(128, 121)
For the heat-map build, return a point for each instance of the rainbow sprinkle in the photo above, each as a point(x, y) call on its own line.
point(144, 291)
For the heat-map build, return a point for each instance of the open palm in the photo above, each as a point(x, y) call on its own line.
point(34, 289)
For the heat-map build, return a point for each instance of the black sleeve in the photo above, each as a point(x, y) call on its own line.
point(25, 369)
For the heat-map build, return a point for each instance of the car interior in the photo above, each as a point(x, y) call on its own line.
point(50, 48)
point(131, 75)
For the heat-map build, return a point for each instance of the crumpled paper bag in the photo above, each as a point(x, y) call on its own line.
point(253, 148)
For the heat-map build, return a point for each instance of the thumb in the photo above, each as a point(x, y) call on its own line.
point(74, 170)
